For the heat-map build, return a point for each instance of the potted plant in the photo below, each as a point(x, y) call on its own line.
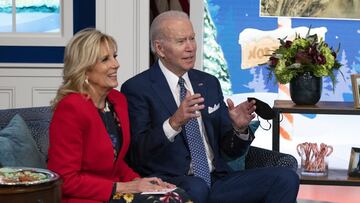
point(302, 63)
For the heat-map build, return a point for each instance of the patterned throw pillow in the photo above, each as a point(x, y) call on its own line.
point(18, 147)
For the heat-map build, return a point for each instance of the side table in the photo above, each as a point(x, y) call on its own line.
point(41, 192)
point(335, 177)
point(323, 107)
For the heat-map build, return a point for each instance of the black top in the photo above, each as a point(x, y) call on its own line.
point(112, 126)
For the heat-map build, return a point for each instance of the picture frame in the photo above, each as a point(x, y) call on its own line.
point(319, 10)
point(355, 82)
point(354, 163)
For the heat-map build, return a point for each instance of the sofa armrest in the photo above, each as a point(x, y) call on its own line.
point(258, 158)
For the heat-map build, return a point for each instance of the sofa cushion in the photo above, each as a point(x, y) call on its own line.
point(18, 147)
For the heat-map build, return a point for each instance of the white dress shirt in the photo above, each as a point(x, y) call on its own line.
point(170, 133)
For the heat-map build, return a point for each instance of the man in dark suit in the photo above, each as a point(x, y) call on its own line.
point(161, 112)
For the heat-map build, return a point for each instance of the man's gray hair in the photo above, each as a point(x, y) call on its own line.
point(156, 28)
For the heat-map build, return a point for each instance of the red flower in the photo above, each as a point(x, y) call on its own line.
point(288, 44)
point(320, 59)
point(169, 196)
point(273, 61)
point(302, 57)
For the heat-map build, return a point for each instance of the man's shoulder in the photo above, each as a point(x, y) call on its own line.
point(140, 80)
point(140, 76)
point(202, 74)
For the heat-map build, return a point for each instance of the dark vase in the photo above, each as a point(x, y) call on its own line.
point(306, 89)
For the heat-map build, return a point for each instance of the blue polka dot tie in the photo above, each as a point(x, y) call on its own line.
point(195, 142)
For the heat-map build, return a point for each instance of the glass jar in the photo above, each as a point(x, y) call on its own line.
point(314, 167)
point(314, 158)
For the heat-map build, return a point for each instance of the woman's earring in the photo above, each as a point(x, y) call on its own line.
point(87, 81)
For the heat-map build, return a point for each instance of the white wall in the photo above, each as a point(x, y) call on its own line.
point(127, 21)
point(197, 18)
point(25, 85)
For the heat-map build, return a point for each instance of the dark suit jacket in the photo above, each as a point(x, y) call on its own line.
point(151, 103)
point(81, 151)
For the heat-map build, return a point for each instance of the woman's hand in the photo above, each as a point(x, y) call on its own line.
point(143, 185)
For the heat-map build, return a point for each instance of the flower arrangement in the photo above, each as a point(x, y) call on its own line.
point(309, 54)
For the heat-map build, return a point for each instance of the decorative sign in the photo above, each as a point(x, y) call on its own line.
point(257, 45)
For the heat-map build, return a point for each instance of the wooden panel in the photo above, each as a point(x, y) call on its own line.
point(322, 107)
point(34, 86)
point(41, 96)
point(7, 97)
point(334, 177)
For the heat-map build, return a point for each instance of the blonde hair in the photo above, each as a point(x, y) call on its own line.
point(157, 28)
point(81, 54)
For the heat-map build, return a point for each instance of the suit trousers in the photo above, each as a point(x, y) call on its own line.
point(268, 185)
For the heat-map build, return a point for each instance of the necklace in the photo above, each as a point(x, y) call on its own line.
point(106, 108)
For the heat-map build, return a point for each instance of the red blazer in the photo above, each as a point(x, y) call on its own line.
point(81, 152)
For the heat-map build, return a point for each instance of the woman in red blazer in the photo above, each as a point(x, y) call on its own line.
point(89, 131)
